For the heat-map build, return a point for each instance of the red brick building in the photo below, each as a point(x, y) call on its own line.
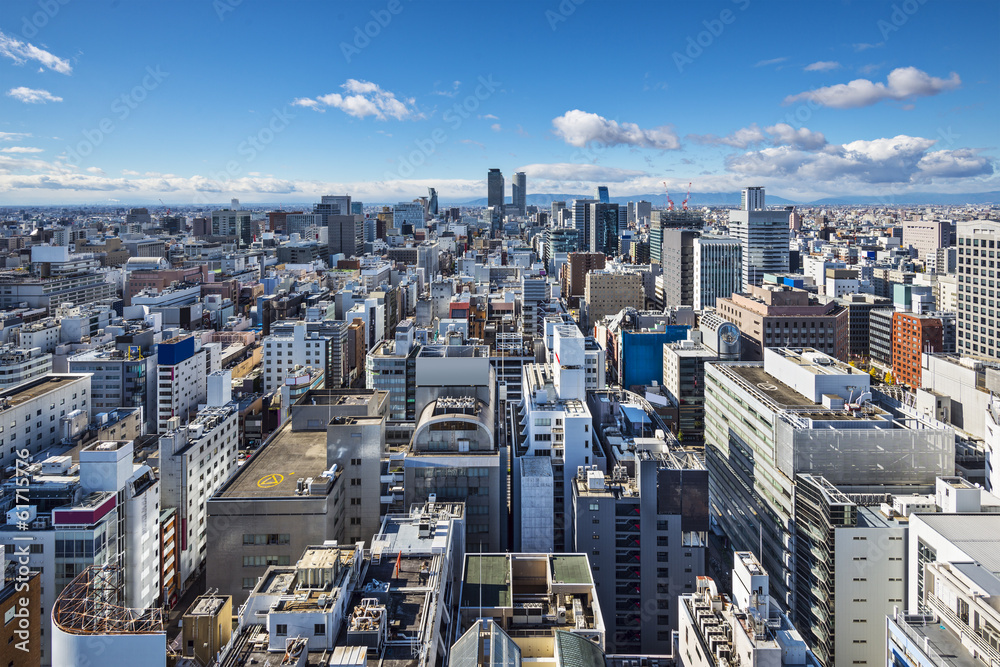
point(913, 335)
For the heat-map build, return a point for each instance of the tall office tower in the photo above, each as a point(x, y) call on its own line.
point(346, 231)
point(601, 194)
point(432, 202)
point(678, 267)
point(494, 188)
point(358, 208)
point(534, 297)
point(788, 416)
point(334, 205)
point(407, 213)
point(519, 192)
point(604, 229)
point(764, 236)
point(978, 329)
point(557, 206)
point(661, 220)
point(794, 221)
point(644, 528)
point(581, 219)
point(752, 199)
point(718, 270)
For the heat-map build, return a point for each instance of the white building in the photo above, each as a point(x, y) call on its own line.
point(555, 424)
point(54, 396)
point(19, 365)
point(44, 335)
point(283, 352)
point(764, 236)
point(748, 630)
point(978, 328)
point(992, 445)
point(195, 460)
point(181, 369)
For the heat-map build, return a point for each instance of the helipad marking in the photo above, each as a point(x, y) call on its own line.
point(268, 481)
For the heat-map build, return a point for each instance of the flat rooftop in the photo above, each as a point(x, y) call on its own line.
point(570, 569)
point(486, 576)
point(942, 641)
point(273, 470)
point(207, 605)
point(27, 391)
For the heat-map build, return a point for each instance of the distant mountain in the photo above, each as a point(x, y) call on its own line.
point(915, 198)
point(699, 199)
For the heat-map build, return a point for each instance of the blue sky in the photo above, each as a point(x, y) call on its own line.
point(198, 101)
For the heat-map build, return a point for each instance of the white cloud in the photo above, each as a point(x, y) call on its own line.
point(865, 46)
point(823, 66)
point(777, 135)
point(32, 95)
point(803, 137)
point(21, 52)
point(772, 61)
point(363, 99)
point(579, 128)
point(563, 171)
point(496, 127)
point(903, 83)
point(13, 136)
point(21, 149)
point(741, 138)
point(899, 160)
point(488, 116)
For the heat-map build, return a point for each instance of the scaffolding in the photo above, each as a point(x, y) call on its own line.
point(92, 604)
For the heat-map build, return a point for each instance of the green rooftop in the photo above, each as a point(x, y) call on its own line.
point(491, 576)
point(571, 569)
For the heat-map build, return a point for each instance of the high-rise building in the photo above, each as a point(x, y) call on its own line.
point(519, 192)
point(345, 231)
point(408, 213)
point(752, 199)
point(604, 229)
point(978, 327)
point(926, 237)
point(494, 188)
point(661, 220)
point(181, 379)
point(432, 202)
point(581, 220)
point(601, 194)
point(677, 259)
point(718, 270)
point(557, 206)
point(651, 509)
point(764, 236)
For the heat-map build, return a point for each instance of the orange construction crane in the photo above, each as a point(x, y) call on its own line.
point(684, 204)
point(670, 202)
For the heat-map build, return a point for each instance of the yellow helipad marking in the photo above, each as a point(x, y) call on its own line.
point(267, 481)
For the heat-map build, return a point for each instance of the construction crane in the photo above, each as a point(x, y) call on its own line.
point(164, 206)
point(670, 202)
point(684, 204)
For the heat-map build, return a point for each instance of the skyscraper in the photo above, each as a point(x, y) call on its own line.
point(494, 189)
point(977, 325)
point(519, 192)
point(752, 199)
point(604, 228)
point(601, 194)
point(763, 235)
point(432, 201)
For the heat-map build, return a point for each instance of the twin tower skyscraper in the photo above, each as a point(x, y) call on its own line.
point(495, 190)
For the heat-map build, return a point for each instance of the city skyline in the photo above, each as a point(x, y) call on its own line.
point(139, 102)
